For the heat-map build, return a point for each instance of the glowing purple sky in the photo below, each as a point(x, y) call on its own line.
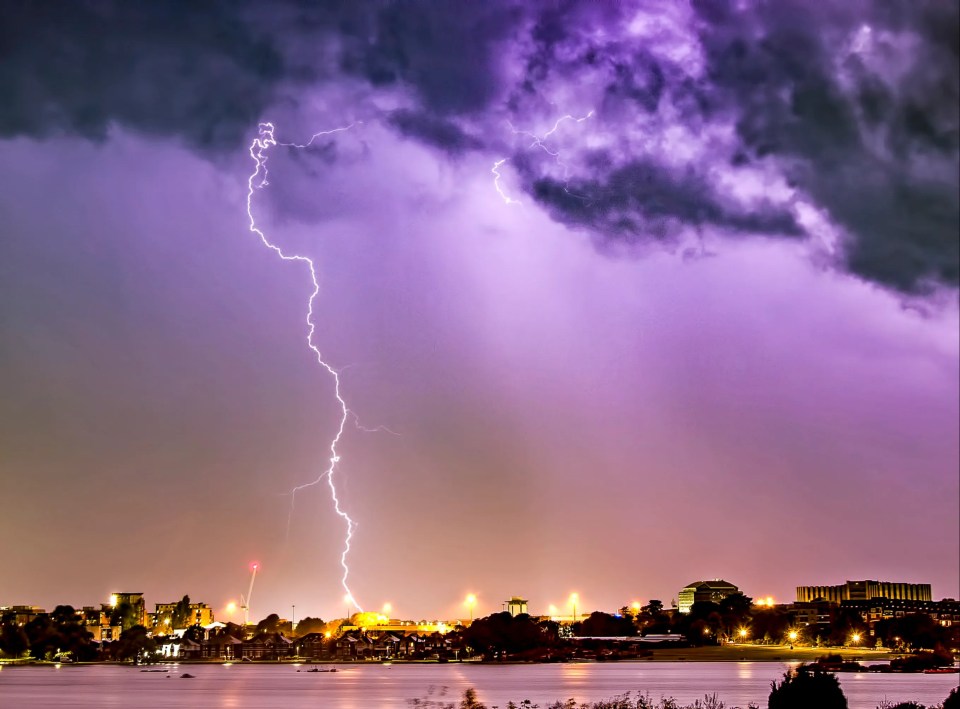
point(717, 337)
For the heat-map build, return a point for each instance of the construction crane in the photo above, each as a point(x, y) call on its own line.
point(245, 600)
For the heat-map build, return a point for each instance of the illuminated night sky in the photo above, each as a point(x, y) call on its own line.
point(709, 330)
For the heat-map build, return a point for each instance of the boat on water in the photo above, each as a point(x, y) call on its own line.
point(942, 671)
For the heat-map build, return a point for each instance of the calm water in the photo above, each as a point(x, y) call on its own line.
point(378, 686)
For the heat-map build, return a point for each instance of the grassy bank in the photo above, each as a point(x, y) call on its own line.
point(764, 653)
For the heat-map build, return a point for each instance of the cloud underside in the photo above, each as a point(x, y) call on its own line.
point(850, 107)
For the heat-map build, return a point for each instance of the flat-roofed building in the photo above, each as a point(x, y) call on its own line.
point(946, 613)
point(21, 615)
point(516, 605)
point(197, 614)
point(865, 591)
point(703, 592)
point(138, 608)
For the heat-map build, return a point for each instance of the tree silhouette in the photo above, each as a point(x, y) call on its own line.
point(180, 618)
point(13, 640)
point(807, 687)
point(270, 624)
point(133, 643)
point(310, 625)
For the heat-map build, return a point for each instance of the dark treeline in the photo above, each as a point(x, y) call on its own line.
point(63, 634)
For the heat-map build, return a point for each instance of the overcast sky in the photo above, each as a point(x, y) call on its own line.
point(706, 326)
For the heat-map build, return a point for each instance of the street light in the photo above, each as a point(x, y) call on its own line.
point(855, 638)
point(574, 598)
point(743, 632)
point(793, 635)
point(470, 602)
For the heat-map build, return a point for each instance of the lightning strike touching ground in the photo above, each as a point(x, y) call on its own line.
point(258, 180)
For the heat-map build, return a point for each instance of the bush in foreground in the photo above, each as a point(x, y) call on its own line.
point(953, 699)
point(951, 702)
point(623, 701)
point(807, 687)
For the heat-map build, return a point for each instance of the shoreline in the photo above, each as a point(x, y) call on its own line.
point(726, 653)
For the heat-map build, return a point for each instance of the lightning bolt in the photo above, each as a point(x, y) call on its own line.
point(264, 141)
point(537, 142)
point(496, 182)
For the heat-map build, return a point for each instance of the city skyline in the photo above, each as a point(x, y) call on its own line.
point(707, 326)
point(478, 603)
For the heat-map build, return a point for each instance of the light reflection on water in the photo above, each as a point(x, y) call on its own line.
point(385, 687)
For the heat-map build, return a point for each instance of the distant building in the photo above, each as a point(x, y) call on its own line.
point(946, 613)
point(21, 615)
point(516, 605)
point(404, 626)
point(704, 591)
point(199, 614)
point(865, 591)
point(136, 602)
point(96, 621)
point(811, 613)
point(267, 646)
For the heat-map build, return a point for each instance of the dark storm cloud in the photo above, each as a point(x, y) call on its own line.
point(207, 71)
point(878, 151)
point(854, 104)
point(448, 52)
point(863, 126)
point(194, 70)
point(440, 133)
point(644, 200)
